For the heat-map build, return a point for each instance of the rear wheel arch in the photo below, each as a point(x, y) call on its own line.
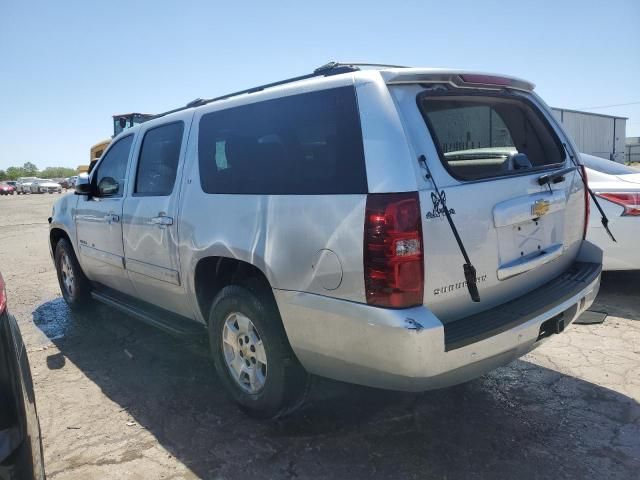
point(214, 273)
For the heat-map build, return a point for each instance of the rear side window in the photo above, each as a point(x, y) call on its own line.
point(158, 163)
point(301, 144)
point(479, 136)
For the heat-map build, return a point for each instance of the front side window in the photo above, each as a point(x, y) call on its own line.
point(109, 178)
point(480, 136)
point(302, 144)
point(158, 162)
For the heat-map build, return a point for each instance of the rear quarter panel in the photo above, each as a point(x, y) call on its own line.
point(308, 243)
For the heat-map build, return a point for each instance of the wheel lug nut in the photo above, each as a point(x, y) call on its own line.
point(253, 348)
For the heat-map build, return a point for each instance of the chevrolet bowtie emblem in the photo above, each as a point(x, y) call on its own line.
point(540, 207)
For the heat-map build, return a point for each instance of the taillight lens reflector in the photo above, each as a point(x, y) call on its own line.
point(393, 253)
point(629, 200)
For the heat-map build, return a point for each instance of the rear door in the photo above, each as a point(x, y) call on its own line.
point(150, 218)
point(99, 219)
point(486, 150)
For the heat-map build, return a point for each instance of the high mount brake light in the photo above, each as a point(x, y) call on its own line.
point(486, 80)
point(393, 252)
point(3, 295)
point(629, 200)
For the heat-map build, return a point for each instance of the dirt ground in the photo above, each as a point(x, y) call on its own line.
point(119, 400)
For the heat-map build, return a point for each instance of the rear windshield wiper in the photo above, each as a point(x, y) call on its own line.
point(440, 201)
point(603, 216)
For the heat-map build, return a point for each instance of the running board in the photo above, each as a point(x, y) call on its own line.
point(169, 322)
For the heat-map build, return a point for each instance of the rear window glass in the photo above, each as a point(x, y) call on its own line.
point(301, 144)
point(481, 136)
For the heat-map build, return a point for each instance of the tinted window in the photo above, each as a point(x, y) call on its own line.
point(304, 144)
point(158, 161)
point(478, 135)
point(114, 164)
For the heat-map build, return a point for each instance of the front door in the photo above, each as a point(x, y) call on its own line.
point(99, 219)
point(150, 219)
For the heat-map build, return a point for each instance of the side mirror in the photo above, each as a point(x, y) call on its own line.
point(521, 161)
point(83, 186)
point(108, 186)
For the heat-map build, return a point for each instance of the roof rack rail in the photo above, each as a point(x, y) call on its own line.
point(356, 65)
point(331, 68)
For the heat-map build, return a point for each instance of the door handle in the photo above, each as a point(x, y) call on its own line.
point(162, 220)
point(112, 218)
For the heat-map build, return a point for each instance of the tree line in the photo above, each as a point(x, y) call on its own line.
point(31, 170)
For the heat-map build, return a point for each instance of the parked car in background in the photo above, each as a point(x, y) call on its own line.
point(45, 185)
point(369, 227)
point(20, 441)
point(7, 189)
point(72, 181)
point(618, 189)
point(63, 182)
point(23, 185)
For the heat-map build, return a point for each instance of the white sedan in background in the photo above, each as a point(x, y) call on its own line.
point(45, 185)
point(618, 190)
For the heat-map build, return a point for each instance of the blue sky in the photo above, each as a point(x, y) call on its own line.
point(67, 66)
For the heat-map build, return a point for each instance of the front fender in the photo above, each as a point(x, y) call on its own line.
point(63, 218)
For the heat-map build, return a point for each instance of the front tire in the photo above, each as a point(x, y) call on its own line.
point(74, 285)
point(252, 355)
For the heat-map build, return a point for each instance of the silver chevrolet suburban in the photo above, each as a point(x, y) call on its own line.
point(402, 228)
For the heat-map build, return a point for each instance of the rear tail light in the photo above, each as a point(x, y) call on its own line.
point(629, 200)
point(3, 295)
point(393, 252)
point(587, 202)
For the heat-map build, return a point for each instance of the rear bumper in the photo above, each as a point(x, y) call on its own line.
point(410, 349)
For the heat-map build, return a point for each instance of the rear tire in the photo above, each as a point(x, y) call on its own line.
point(252, 355)
point(74, 285)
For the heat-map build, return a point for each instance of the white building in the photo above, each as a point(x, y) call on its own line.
point(594, 133)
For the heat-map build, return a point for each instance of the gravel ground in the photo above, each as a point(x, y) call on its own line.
point(119, 400)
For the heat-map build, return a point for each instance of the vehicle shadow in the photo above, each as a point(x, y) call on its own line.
point(619, 295)
point(521, 421)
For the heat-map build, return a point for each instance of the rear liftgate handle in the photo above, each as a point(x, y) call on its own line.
point(470, 274)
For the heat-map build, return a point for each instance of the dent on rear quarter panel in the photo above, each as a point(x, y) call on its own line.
point(281, 235)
